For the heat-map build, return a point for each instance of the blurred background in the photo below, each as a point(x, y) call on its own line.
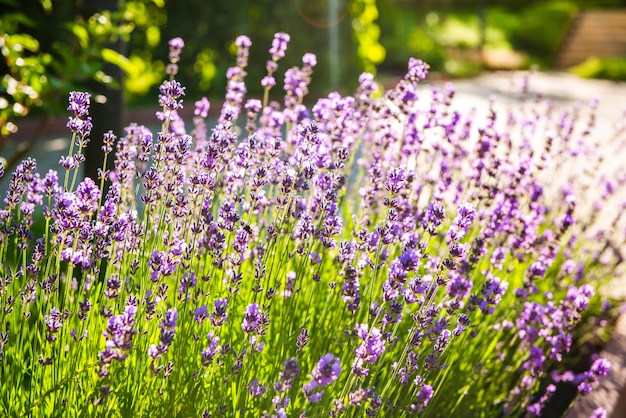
point(118, 48)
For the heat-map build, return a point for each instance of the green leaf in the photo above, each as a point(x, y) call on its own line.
point(82, 34)
point(20, 42)
point(114, 57)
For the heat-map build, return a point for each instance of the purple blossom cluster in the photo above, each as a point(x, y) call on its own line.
point(80, 124)
point(119, 334)
point(325, 372)
point(371, 348)
point(176, 46)
point(436, 251)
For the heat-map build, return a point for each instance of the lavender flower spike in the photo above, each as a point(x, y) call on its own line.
point(371, 348)
point(79, 103)
point(326, 370)
point(462, 222)
point(279, 45)
point(417, 70)
point(254, 320)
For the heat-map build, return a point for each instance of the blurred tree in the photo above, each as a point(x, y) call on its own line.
point(51, 48)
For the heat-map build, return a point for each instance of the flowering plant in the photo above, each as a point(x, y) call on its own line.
point(378, 255)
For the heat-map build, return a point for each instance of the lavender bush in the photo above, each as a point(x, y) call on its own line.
point(375, 254)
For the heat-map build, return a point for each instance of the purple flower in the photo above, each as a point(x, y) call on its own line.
point(367, 86)
point(54, 322)
point(534, 409)
point(118, 334)
point(254, 320)
point(369, 351)
point(498, 256)
point(326, 370)
point(492, 291)
point(113, 284)
point(417, 70)
point(584, 388)
point(243, 41)
point(313, 397)
point(176, 43)
point(202, 107)
point(396, 179)
point(410, 259)
point(81, 127)
point(169, 321)
point(599, 413)
point(295, 85)
point(304, 227)
point(170, 92)
point(601, 367)
point(243, 44)
point(309, 59)
point(256, 389)
point(84, 308)
point(424, 394)
point(253, 106)
point(200, 314)
point(536, 360)
point(462, 222)
point(303, 340)
point(188, 280)
point(458, 286)
point(108, 139)
point(271, 66)
point(79, 103)
point(51, 183)
point(168, 330)
point(434, 216)
point(209, 353)
point(88, 195)
point(240, 244)
point(291, 370)
point(347, 251)
point(268, 81)
point(360, 396)
point(219, 315)
point(279, 45)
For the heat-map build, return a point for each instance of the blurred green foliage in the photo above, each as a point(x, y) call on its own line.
point(612, 68)
point(209, 49)
point(367, 33)
point(440, 35)
point(542, 28)
point(52, 47)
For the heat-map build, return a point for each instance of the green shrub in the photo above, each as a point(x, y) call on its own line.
point(612, 68)
point(542, 28)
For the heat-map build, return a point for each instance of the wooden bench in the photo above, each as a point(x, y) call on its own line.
point(599, 33)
